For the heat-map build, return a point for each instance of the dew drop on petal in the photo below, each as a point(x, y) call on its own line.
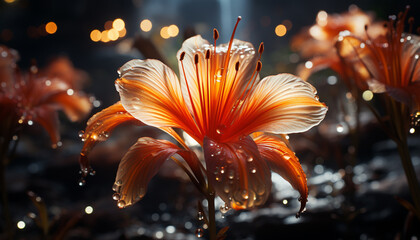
point(231, 174)
point(81, 133)
point(116, 196)
point(244, 194)
point(250, 159)
point(121, 204)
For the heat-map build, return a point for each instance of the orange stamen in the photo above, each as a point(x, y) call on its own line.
point(224, 75)
point(181, 58)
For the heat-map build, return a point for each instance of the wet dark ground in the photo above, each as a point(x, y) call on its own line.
point(335, 210)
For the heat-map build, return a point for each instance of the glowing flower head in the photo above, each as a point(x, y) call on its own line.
point(317, 42)
point(221, 102)
point(33, 98)
point(387, 63)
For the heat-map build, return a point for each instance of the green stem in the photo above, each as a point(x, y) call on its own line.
point(211, 216)
point(410, 173)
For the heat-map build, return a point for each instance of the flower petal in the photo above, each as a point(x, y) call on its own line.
point(99, 127)
point(410, 60)
point(150, 92)
point(57, 92)
point(138, 166)
point(47, 117)
point(237, 172)
point(210, 71)
point(279, 104)
point(283, 161)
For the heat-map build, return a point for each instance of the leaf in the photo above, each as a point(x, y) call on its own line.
point(221, 235)
point(408, 206)
point(42, 220)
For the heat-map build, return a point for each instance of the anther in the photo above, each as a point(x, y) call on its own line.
point(259, 66)
point(237, 66)
point(181, 57)
point(215, 34)
point(196, 58)
point(261, 48)
point(207, 54)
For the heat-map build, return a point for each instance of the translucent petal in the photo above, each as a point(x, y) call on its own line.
point(283, 161)
point(138, 166)
point(237, 172)
point(150, 92)
point(280, 104)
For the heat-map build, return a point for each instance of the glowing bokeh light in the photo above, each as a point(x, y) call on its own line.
point(21, 224)
point(280, 30)
point(146, 25)
point(9, 1)
point(104, 36)
point(118, 24)
point(173, 30)
point(122, 32)
point(164, 33)
point(367, 95)
point(309, 64)
point(89, 210)
point(113, 34)
point(95, 35)
point(51, 27)
point(321, 18)
point(108, 25)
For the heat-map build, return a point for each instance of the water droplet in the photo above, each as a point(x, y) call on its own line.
point(30, 122)
point(199, 233)
point(222, 170)
point(253, 170)
point(92, 172)
point(250, 159)
point(218, 131)
point(200, 215)
point(119, 182)
point(340, 128)
point(70, 92)
point(116, 196)
point(82, 182)
point(231, 174)
point(226, 188)
point(286, 157)
point(224, 208)
point(244, 194)
point(121, 204)
point(81, 133)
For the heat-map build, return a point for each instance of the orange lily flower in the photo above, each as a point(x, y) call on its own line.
point(387, 63)
point(30, 98)
point(317, 42)
point(219, 101)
